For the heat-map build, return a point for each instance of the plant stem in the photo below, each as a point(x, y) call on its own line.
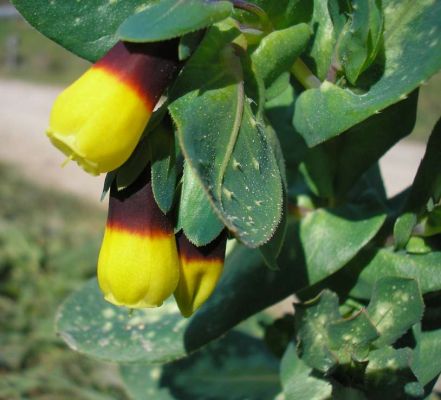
point(304, 75)
point(256, 10)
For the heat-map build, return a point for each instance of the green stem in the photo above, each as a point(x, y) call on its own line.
point(256, 10)
point(304, 75)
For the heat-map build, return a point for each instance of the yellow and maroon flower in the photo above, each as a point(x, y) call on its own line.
point(99, 119)
point(200, 270)
point(138, 265)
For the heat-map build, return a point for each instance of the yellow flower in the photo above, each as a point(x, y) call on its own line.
point(138, 265)
point(99, 119)
point(200, 270)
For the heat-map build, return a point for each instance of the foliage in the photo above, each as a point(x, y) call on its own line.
point(38, 59)
point(47, 244)
point(280, 114)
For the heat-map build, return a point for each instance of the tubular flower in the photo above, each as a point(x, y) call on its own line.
point(138, 265)
point(99, 119)
point(200, 270)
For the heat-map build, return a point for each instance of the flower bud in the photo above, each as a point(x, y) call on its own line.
point(99, 119)
point(200, 270)
point(138, 265)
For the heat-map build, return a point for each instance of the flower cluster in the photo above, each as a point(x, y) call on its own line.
point(97, 122)
point(141, 263)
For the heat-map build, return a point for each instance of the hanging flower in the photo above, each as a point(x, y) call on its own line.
point(138, 264)
point(99, 119)
point(200, 270)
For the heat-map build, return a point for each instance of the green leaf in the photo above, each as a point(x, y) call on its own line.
point(375, 263)
point(280, 111)
point(279, 334)
point(271, 250)
point(350, 338)
point(277, 51)
point(426, 186)
point(299, 381)
point(340, 392)
point(388, 372)
point(94, 327)
point(353, 48)
point(86, 28)
point(329, 110)
point(324, 39)
point(155, 146)
point(281, 14)
point(167, 19)
point(108, 180)
point(163, 167)
point(143, 381)
point(132, 168)
point(418, 245)
point(332, 237)
point(362, 145)
point(235, 367)
point(226, 147)
point(252, 193)
point(432, 224)
point(376, 26)
point(318, 169)
point(196, 216)
point(188, 44)
point(426, 360)
point(395, 306)
point(403, 229)
point(312, 319)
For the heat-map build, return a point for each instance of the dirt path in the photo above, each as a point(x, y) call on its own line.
point(24, 112)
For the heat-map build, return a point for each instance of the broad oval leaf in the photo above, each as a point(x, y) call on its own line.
point(226, 147)
point(196, 216)
point(332, 237)
point(426, 361)
point(396, 305)
point(361, 146)
point(324, 37)
point(371, 264)
point(86, 28)
point(238, 366)
point(277, 52)
point(353, 43)
point(299, 381)
point(163, 167)
point(167, 19)
point(312, 320)
point(388, 373)
point(426, 186)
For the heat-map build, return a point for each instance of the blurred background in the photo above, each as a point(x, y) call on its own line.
point(51, 219)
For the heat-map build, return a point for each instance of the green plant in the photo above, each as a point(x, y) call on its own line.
point(272, 130)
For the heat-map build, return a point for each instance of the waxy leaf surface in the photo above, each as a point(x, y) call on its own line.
point(167, 19)
point(86, 28)
point(412, 43)
point(236, 366)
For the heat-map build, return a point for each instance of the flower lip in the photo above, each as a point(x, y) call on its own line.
point(67, 144)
